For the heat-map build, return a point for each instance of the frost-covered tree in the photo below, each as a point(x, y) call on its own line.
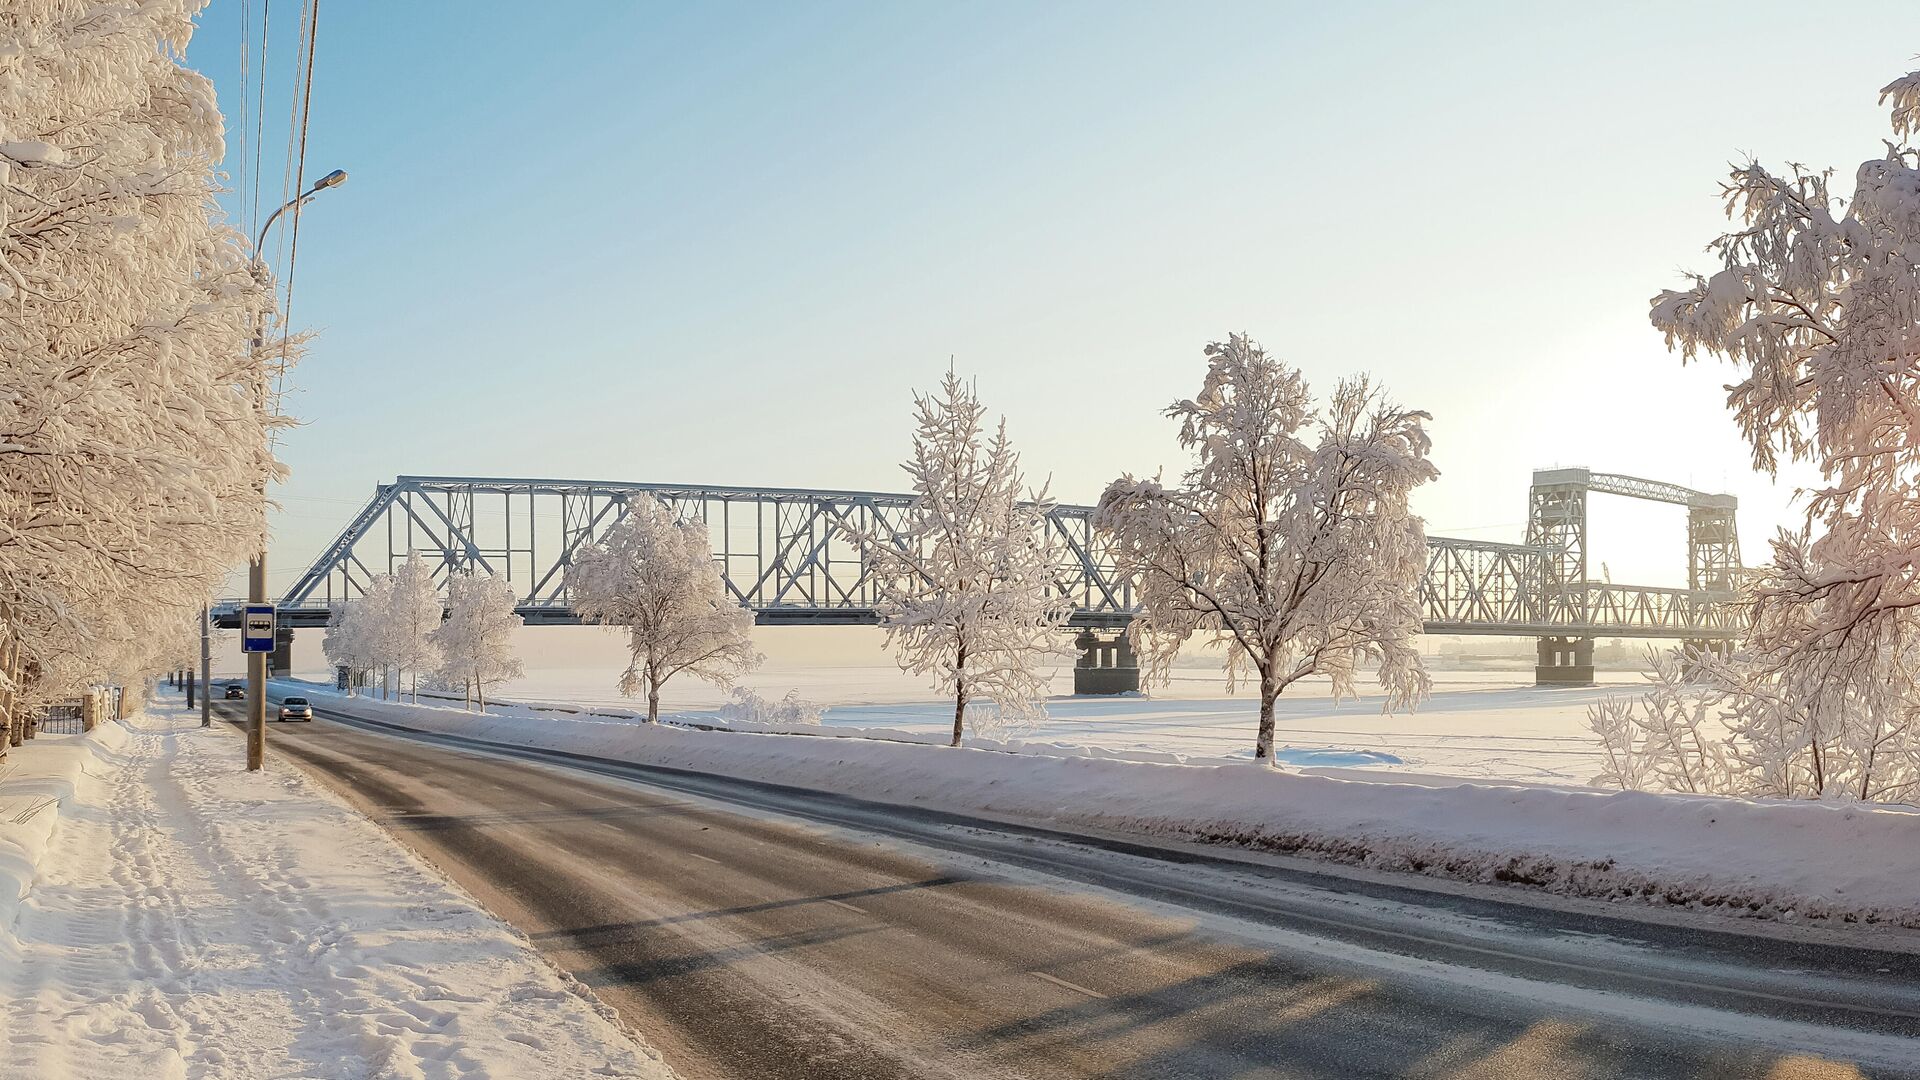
point(390, 627)
point(1736, 727)
point(132, 443)
point(967, 585)
point(374, 630)
point(414, 612)
point(790, 711)
point(656, 579)
point(1817, 306)
point(350, 641)
point(476, 641)
point(1289, 540)
point(1665, 740)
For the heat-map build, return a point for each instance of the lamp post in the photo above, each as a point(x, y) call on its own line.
point(257, 567)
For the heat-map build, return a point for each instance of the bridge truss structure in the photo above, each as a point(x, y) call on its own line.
point(789, 555)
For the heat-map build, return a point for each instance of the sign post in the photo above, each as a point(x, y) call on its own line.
point(256, 641)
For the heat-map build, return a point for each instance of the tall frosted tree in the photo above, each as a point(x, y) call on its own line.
point(656, 578)
point(413, 615)
point(1816, 306)
point(1289, 540)
point(375, 630)
point(133, 446)
point(349, 640)
point(967, 587)
point(476, 641)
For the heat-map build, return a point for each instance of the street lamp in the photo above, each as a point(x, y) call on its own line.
point(331, 180)
point(257, 567)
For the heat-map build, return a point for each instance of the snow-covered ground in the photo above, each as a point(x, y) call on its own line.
point(187, 918)
point(1495, 725)
point(1471, 727)
point(1791, 860)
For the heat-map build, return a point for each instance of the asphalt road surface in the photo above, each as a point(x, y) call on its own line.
point(761, 933)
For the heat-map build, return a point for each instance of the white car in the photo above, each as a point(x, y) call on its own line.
point(296, 708)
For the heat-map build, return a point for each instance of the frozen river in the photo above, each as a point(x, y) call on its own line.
point(1477, 724)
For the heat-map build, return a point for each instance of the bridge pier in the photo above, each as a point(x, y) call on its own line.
point(1719, 647)
point(1693, 650)
point(1564, 661)
point(1105, 667)
point(280, 660)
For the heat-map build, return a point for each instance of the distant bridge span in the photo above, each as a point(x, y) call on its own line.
point(788, 555)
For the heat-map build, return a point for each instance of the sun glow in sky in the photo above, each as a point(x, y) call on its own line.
point(723, 243)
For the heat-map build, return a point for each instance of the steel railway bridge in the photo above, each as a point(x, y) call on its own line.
point(788, 555)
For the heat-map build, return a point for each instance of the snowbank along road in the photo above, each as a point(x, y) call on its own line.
point(191, 920)
point(756, 931)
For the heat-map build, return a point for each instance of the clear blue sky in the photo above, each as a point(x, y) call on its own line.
point(722, 243)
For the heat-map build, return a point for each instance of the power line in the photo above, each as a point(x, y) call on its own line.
point(297, 168)
point(259, 119)
point(246, 87)
point(310, 31)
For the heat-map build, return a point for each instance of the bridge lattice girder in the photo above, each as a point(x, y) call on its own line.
point(789, 554)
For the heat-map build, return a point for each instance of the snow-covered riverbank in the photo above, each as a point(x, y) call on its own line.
point(187, 918)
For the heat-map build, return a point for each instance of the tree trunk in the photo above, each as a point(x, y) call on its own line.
point(466, 685)
point(1263, 745)
point(416, 686)
point(11, 693)
point(653, 702)
point(959, 695)
point(480, 691)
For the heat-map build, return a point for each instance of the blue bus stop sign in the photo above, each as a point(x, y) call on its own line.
point(256, 628)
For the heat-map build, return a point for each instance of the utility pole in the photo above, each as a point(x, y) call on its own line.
point(206, 666)
point(257, 673)
point(257, 566)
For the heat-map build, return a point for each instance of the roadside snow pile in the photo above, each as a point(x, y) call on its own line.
point(37, 782)
point(193, 919)
point(1778, 859)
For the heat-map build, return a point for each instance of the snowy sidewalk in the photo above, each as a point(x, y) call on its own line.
point(191, 920)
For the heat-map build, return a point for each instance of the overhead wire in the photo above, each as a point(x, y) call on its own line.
point(246, 127)
point(296, 170)
point(259, 118)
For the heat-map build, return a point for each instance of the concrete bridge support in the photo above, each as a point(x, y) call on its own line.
point(280, 660)
point(1693, 651)
point(1564, 661)
point(1105, 666)
point(1702, 647)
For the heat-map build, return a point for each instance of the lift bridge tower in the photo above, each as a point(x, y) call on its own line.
point(1557, 523)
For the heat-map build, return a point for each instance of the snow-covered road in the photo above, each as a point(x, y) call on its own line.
point(192, 920)
point(765, 932)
